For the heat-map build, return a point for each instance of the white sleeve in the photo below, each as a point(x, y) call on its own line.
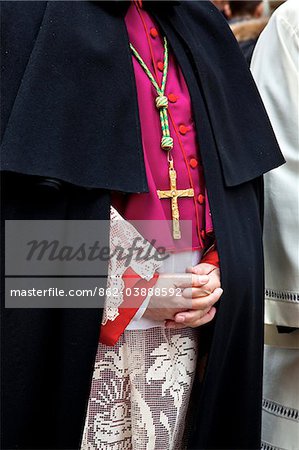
point(141, 323)
point(275, 66)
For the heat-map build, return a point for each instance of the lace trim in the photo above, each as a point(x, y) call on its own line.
point(280, 410)
point(267, 446)
point(122, 235)
point(282, 296)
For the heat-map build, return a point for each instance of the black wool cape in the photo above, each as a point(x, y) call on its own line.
point(70, 136)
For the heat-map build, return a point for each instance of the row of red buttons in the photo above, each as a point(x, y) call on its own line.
point(183, 129)
point(154, 33)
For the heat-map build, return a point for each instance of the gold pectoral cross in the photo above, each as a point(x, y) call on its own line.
point(174, 194)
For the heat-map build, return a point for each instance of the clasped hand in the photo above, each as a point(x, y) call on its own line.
point(191, 297)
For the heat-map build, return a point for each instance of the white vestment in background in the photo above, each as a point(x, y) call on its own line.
point(275, 67)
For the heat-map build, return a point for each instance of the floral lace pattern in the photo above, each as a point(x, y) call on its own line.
point(140, 391)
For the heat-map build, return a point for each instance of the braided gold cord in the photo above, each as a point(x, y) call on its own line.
point(161, 101)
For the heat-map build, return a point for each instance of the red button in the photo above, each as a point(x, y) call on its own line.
point(172, 98)
point(160, 66)
point(203, 234)
point(154, 33)
point(193, 163)
point(201, 199)
point(183, 129)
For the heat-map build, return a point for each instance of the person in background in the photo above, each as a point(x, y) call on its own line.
point(223, 6)
point(242, 10)
point(275, 69)
point(273, 5)
point(247, 23)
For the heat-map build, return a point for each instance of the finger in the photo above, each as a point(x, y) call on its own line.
point(208, 301)
point(190, 316)
point(204, 290)
point(197, 321)
point(195, 292)
point(201, 269)
point(200, 280)
point(214, 282)
point(193, 280)
point(205, 319)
